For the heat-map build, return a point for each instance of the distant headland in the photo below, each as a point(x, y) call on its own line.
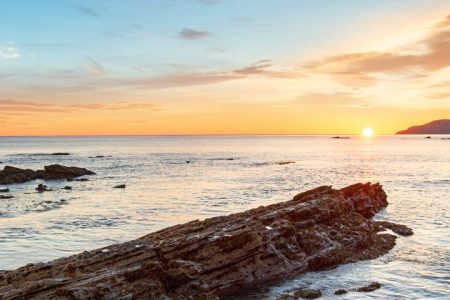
point(434, 127)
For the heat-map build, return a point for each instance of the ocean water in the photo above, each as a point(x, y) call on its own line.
point(172, 180)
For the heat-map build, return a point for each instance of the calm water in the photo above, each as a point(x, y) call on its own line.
point(163, 189)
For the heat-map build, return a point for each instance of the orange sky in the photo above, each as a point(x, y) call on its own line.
point(371, 77)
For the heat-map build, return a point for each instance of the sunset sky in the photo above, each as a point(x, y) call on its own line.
point(73, 67)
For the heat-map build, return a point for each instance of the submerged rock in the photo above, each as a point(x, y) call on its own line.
point(4, 190)
point(301, 294)
point(42, 188)
point(218, 257)
point(340, 292)
point(11, 175)
point(287, 162)
point(369, 288)
point(6, 197)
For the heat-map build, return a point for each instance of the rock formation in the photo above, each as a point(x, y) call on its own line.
point(218, 257)
point(11, 175)
point(434, 127)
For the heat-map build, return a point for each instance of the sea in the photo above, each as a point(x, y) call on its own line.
point(175, 179)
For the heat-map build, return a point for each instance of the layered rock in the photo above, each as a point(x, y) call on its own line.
point(217, 257)
point(11, 175)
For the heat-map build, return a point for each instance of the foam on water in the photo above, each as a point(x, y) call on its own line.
point(172, 180)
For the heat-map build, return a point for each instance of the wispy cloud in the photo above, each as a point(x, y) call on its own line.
point(208, 2)
point(8, 105)
point(9, 52)
point(87, 11)
point(340, 99)
point(364, 65)
point(94, 67)
point(257, 68)
point(192, 34)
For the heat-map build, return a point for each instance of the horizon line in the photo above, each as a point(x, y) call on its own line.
point(204, 135)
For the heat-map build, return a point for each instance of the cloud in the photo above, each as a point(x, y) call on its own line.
point(339, 99)
point(444, 23)
point(95, 68)
point(439, 95)
point(259, 67)
point(208, 2)
point(183, 79)
point(192, 35)
point(364, 65)
point(242, 19)
point(87, 11)
point(16, 106)
point(9, 52)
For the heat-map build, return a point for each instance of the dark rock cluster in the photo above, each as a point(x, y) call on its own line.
point(11, 175)
point(219, 257)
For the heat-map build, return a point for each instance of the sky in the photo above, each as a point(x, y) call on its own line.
point(117, 67)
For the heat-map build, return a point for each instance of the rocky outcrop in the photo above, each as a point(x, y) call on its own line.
point(434, 127)
point(11, 175)
point(217, 257)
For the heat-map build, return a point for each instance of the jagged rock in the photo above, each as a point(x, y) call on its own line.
point(218, 257)
point(397, 228)
point(120, 186)
point(301, 293)
point(11, 175)
point(4, 190)
point(369, 288)
point(42, 188)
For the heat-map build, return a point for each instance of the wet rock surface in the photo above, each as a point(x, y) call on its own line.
point(369, 288)
point(396, 228)
point(42, 188)
point(301, 294)
point(11, 175)
point(340, 292)
point(218, 257)
point(287, 162)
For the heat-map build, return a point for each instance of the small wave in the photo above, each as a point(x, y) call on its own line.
point(223, 159)
point(87, 222)
point(47, 205)
point(40, 154)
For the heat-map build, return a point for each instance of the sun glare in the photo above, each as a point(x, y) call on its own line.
point(367, 132)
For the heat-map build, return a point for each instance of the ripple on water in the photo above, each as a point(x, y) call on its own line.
point(162, 189)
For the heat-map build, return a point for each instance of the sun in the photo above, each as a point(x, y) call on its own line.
point(367, 132)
